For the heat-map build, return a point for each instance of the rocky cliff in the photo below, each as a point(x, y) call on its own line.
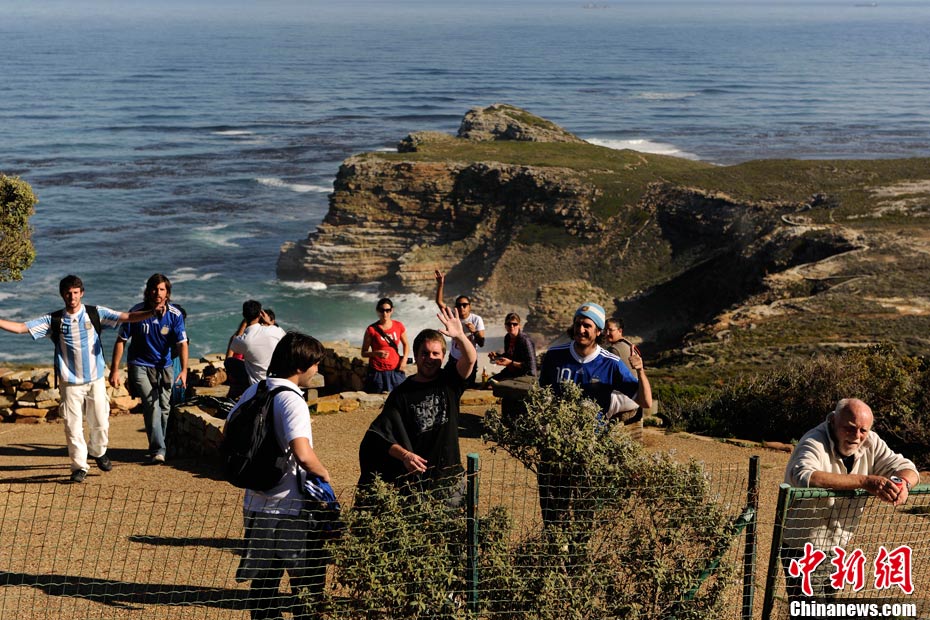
point(526, 216)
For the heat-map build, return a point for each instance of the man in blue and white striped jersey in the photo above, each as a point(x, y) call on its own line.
point(80, 368)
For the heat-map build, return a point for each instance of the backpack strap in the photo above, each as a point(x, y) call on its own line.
point(94, 315)
point(269, 396)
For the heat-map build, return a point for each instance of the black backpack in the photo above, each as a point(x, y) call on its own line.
point(252, 458)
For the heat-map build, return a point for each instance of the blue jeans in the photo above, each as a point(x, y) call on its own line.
point(153, 386)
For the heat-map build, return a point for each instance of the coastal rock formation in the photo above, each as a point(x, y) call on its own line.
point(397, 221)
point(695, 257)
point(506, 122)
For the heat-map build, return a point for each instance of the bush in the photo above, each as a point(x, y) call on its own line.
point(633, 531)
point(17, 204)
point(401, 556)
point(782, 406)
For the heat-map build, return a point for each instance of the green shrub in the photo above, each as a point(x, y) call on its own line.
point(401, 556)
point(17, 204)
point(783, 405)
point(634, 533)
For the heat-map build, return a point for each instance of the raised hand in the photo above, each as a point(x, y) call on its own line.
point(452, 326)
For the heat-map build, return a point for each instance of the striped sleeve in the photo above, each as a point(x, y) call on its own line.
point(40, 327)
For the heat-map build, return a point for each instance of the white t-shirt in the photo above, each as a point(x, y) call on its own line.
point(478, 322)
point(291, 420)
point(256, 345)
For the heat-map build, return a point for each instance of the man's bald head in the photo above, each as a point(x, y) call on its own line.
point(851, 422)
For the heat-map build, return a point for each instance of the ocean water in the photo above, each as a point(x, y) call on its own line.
point(194, 138)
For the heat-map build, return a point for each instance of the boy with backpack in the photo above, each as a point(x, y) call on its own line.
point(80, 369)
point(280, 531)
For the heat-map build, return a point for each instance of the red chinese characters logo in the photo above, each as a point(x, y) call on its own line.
point(805, 566)
point(850, 568)
point(892, 568)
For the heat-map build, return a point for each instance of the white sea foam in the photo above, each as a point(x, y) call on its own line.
point(217, 234)
point(189, 274)
point(659, 96)
point(192, 299)
point(5, 296)
point(17, 313)
point(643, 146)
point(386, 149)
point(300, 188)
point(303, 286)
point(233, 132)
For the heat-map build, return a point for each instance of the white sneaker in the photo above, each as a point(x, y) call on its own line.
point(158, 458)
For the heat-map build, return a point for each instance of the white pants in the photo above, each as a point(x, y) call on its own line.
point(88, 399)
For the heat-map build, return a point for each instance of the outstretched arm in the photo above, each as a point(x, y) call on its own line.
point(452, 327)
point(13, 326)
point(139, 315)
point(440, 285)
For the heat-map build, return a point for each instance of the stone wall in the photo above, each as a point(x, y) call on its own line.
point(27, 397)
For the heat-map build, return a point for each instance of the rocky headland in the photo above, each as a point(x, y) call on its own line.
point(737, 265)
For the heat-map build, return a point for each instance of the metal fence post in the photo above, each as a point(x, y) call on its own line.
point(472, 533)
point(749, 557)
point(781, 509)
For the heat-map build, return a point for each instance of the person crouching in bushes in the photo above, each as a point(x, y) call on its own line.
point(280, 532)
point(382, 346)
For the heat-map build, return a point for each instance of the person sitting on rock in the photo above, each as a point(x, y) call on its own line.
point(519, 355)
point(255, 340)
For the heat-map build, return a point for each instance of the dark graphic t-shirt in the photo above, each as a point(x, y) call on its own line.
point(422, 418)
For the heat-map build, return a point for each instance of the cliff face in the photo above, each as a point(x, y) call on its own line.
point(397, 221)
point(689, 254)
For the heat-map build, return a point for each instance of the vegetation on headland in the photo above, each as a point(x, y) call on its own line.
point(728, 270)
point(17, 204)
point(729, 275)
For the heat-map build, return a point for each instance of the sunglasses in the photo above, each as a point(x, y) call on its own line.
point(385, 309)
point(462, 305)
point(512, 324)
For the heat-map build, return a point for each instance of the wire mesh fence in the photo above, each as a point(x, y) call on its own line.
point(849, 548)
point(83, 551)
point(675, 550)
